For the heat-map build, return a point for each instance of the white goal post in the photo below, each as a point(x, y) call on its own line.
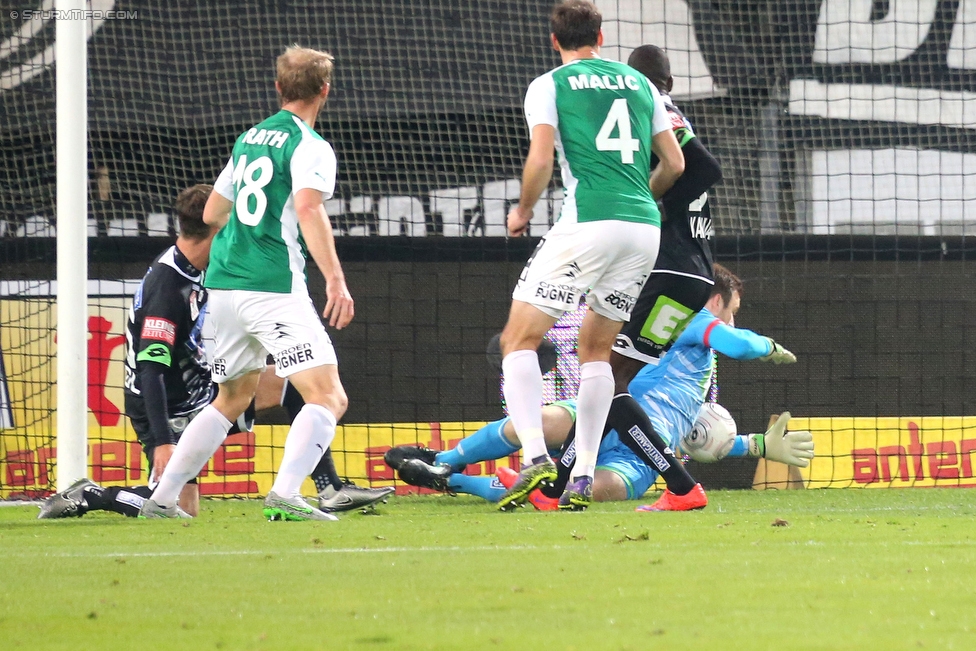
point(72, 235)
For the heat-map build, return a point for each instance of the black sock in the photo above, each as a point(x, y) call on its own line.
point(325, 474)
point(126, 500)
point(564, 466)
point(636, 432)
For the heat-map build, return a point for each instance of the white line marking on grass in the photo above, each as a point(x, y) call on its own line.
point(247, 552)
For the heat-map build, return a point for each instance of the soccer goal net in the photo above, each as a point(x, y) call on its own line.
point(844, 130)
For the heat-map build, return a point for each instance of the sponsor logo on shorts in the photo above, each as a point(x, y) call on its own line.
point(563, 293)
point(219, 367)
point(656, 457)
point(621, 301)
point(573, 270)
point(622, 342)
point(295, 355)
point(159, 329)
point(569, 456)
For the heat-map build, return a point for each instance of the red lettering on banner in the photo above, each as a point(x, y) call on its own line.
point(108, 462)
point(243, 487)
point(915, 449)
point(44, 455)
point(865, 465)
point(435, 437)
point(376, 468)
point(946, 460)
point(234, 457)
point(966, 449)
point(20, 468)
point(236, 446)
point(942, 460)
point(135, 460)
point(100, 348)
point(885, 453)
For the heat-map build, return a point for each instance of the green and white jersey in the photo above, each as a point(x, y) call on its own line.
point(260, 248)
point(605, 114)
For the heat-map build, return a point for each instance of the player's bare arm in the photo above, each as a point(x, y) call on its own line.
point(535, 177)
point(217, 211)
point(672, 164)
point(317, 231)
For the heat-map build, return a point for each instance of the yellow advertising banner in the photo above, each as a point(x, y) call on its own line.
point(244, 465)
point(890, 452)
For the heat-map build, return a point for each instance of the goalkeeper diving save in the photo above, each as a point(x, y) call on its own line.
point(671, 393)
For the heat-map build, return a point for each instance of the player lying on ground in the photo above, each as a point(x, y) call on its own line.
point(602, 246)
point(671, 394)
point(268, 204)
point(168, 379)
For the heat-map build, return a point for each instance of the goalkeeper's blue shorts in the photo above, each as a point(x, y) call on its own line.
point(619, 459)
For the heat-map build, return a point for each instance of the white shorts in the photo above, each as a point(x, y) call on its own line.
point(247, 325)
point(607, 261)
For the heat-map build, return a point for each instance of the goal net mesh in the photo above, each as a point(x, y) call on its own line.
point(844, 130)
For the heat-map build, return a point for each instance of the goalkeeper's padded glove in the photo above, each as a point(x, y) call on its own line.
point(778, 354)
point(791, 448)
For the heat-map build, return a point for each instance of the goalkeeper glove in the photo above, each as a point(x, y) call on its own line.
point(778, 354)
point(791, 448)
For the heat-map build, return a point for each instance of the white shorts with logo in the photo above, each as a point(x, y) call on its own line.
point(608, 261)
point(247, 325)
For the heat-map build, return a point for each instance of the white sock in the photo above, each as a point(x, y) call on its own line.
point(592, 406)
point(523, 395)
point(310, 436)
point(197, 444)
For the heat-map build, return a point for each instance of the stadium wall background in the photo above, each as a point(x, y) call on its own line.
point(876, 335)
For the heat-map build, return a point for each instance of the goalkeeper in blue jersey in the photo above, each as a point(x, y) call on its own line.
point(671, 393)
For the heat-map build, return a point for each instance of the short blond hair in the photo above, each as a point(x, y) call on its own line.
point(303, 73)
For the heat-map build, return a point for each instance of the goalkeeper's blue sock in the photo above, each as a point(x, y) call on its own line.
point(487, 487)
point(487, 443)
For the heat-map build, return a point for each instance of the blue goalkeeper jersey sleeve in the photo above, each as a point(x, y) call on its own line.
point(673, 390)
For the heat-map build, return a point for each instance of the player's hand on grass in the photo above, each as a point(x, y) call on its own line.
point(792, 448)
point(161, 456)
point(778, 355)
point(339, 306)
point(518, 221)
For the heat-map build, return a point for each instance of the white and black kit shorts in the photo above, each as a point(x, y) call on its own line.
point(608, 261)
point(246, 326)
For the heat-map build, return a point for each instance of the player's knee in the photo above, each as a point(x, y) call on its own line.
point(608, 486)
point(231, 405)
point(334, 399)
point(512, 339)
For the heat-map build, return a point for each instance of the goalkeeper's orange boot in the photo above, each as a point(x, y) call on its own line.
point(507, 477)
point(694, 499)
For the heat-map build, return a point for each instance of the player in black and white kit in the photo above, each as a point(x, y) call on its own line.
point(677, 289)
point(168, 381)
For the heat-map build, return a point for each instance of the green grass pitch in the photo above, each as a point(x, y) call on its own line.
point(841, 569)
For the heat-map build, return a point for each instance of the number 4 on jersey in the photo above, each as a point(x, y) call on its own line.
point(244, 173)
point(618, 118)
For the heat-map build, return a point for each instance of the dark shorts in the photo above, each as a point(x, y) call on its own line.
point(667, 303)
point(135, 411)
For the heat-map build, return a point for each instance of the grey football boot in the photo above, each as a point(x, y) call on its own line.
point(151, 510)
point(277, 507)
point(69, 503)
point(351, 497)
